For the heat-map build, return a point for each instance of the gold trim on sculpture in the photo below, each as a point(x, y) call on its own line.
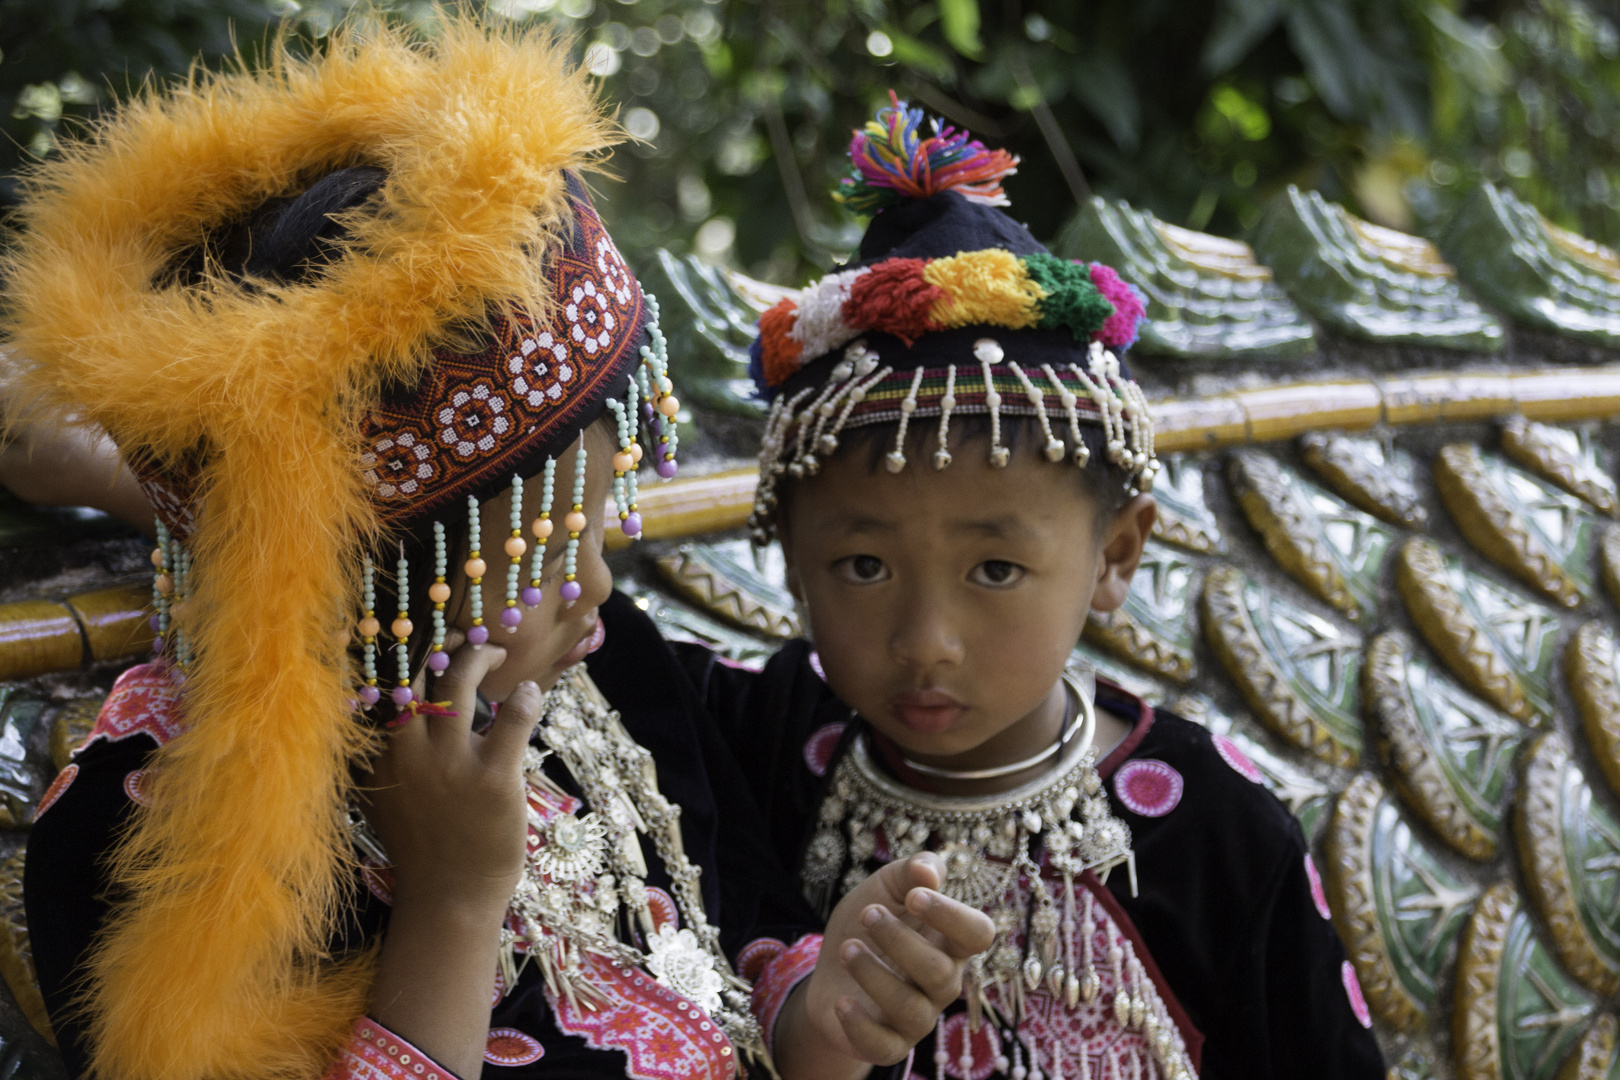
point(16, 954)
point(1594, 1053)
point(1439, 615)
point(1534, 446)
point(1355, 910)
point(714, 592)
point(1232, 637)
point(1475, 1034)
point(1539, 830)
point(1609, 559)
point(1493, 526)
point(1290, 530)
point(1359, 482)
point(1591, 664)
point(1406, 750)
point(1121, 636)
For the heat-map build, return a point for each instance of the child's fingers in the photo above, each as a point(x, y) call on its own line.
point(966, 931)
point(459, 685)
point(870, 1040)
point(904, 1011)
point(508, 736)
point(928, 967)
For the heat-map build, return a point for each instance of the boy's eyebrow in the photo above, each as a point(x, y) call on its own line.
point(1006, 527)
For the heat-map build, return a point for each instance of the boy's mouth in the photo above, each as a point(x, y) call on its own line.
point(927, 712)
point(587, 645)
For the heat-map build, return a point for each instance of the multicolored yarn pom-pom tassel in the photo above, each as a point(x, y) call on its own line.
point(892, 162)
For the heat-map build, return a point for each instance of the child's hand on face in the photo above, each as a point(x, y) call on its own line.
point(891, 961)
point(449, 805)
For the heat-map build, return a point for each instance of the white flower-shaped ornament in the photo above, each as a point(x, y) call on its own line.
point(680, 963)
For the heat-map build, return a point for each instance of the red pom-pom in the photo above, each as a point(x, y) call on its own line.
point(894, 298)
point(780, 354)
point(1119, 331)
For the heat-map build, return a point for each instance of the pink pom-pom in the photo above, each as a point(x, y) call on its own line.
point(1120, 329)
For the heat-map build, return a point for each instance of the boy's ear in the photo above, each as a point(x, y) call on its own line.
point(1122, 546)
point(791, 567)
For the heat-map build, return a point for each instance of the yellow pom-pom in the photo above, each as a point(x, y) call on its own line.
point(989, 288)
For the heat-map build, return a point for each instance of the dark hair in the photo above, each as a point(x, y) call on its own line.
point(1104, 484)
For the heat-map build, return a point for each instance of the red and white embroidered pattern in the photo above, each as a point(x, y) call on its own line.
point(1352, 990)
point(662, 1035)
point(983, 1048)
point(1318, 894)
point(819, 747)
point(775, 983)
point(662, 906)
point(509, 1046)
point(1234, 756)
point(135, 787)
point(1148, 787)
point(375, 1053)
point(144, 701)
point(54, 792)
point(756, 954)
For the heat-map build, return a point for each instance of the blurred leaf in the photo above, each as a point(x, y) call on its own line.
point(960, 19)
point(1239, 26)
point(1103, 84)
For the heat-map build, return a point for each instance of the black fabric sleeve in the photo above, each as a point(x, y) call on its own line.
point(65, 881)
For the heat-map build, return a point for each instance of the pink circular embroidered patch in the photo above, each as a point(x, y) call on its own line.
point(819, 747)
point(54, 792)
point(509, 1046)
point(1148, 787)
point(756, 955)
point(1318, 894)
point(1234, 756)
point(135, 787)
point(1352, 990)
point(664, 911)
point(984, 1045)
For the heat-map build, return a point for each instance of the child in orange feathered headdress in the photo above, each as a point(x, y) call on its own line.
point(354, 324)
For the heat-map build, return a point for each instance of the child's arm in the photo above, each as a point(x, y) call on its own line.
point(891, 961)
point(449, 808)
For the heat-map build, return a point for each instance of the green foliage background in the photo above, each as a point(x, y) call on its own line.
point(1199, 111)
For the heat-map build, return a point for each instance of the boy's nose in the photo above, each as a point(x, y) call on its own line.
point(925, 639)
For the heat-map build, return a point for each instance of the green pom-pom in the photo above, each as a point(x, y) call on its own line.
point(1072, 301)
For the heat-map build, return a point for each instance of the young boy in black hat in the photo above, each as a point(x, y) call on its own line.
point(1157, 911)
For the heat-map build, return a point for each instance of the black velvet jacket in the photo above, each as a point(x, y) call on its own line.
point(746, 892)
point(1224, 901)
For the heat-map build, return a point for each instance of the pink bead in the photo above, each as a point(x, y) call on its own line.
point(631, 526)
point(511, 616)
point(666, 468)
point(370, 695)
point(478, 635)
point(530, 596)
point(438, 661)
point(570, 591)
point(401, 696)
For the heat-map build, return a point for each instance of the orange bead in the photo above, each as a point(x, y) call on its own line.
point(541, 528)
point(157, 557)
point(369, 627)
point(401, 628)
point(669, 406)
point(475, 568)
point(624, 461)
point(635, 452)
point(179, 612)
point(575, 521)
point(164, 584)
point(438, 592)
point(341, 639)
point(515, 547)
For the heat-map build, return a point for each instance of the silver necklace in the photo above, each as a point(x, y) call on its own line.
point(1085, 718)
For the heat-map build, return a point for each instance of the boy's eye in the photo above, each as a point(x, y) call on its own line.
point(861, 569)
point(997, 573)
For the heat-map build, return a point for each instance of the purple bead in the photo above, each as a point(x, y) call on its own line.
point(647, 411)
point(370, 695)
point(155, 622)
point(570, 591)
point(478, 635)
point(511, 616)
point(631, 526)
point(530, 596)
point(402, 696)
point(157, 645)
point(666, 467)
point(438, 661)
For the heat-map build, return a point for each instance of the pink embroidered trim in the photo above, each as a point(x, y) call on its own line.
point(819, 747)
point(54, 792)
point(1352, 990)
point(375, 1053)
point(144, 701)
point(662, 906)
point(756, 954)
point(775, 984)
point(1318, 894)
point(983, 1048)
point(662, 1035)
point(1148, 787)
point(135, 787)
point(509, 1046)
point(1234, 756)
